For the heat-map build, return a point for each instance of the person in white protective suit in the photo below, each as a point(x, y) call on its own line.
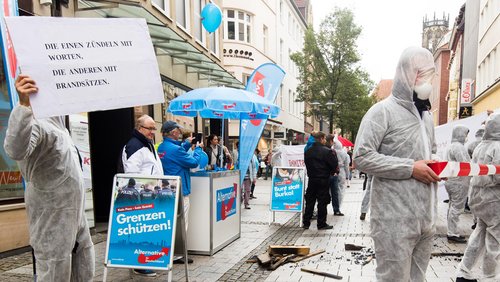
point(457, 187)
point(472, 145)
point(54, 196)
point(343, 175)
point(394, 144)
point(484, 201)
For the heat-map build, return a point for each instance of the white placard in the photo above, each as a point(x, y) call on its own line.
point(83, 65)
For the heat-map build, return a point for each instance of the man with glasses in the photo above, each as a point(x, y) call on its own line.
point(139, 157)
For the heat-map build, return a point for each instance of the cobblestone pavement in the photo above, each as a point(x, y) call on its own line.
point(230, 264)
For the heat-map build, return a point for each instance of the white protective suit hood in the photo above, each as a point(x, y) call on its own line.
point(459, 134)
point(413, 61)
point(492, 128)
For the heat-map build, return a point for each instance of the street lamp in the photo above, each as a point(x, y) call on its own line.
point(317, 111)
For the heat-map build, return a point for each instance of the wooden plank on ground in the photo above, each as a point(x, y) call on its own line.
point(264, 258)
point(284, 250)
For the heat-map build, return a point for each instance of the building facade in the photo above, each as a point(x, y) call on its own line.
point(487, 88)
point(266, 31)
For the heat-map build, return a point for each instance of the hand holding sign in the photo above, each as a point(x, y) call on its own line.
point(25, 86)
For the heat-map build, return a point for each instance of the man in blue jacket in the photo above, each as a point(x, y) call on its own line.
point(176, 160)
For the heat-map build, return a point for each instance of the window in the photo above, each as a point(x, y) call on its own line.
point(281, 51)
point(264, 38)
point(198, 29)
point(290, 104)
point(214, 42)
point(281, 11)
point(280, 97)
point(239, 26)
point(182, 13)
point(163, 5)
point(246, 76)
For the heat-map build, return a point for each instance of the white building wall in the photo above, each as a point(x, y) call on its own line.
point(488, 58)
point(285, 30)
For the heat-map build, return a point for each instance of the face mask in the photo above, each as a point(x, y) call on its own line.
point(423, 90)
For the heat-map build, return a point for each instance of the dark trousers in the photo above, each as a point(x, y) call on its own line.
point(252, 188)
point(317, 190)
point(334, 192)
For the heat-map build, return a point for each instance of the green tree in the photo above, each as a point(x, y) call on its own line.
point(329, 72)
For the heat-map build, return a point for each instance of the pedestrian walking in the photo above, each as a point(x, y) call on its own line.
point(334, 179)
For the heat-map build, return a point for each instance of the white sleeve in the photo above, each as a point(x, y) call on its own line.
point(23, 133)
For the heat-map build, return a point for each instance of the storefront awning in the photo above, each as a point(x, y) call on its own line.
point(166, 41)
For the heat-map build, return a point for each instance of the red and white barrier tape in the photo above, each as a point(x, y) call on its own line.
point(454, 169)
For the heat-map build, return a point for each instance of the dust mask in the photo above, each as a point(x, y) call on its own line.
point(423, 90)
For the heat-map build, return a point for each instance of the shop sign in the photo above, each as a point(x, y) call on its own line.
point(466, 94)
point(238, 53)
point(226, 202)
point(142, 222)
point(279, 135)
point(287, 189)
point(465, 112)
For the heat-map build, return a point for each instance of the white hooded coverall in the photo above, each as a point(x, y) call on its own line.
point(54, 196)
point(344, 161)
point(391, 137)
point(484, 201)
point(457, 187)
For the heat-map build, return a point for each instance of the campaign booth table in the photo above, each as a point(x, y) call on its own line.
point(214, 211)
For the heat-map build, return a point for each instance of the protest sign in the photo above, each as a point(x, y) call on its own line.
point(83, 65)
point(142, 222)
point(287, 192)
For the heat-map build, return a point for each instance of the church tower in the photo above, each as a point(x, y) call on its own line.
point(433, 30)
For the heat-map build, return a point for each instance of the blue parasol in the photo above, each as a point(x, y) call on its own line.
point(223, 103)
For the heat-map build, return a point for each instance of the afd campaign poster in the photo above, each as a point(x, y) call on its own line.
point(287, 189)
point(226, 202)
point(142, 222)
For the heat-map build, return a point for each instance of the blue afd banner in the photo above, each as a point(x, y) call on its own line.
point(287, 192)
point(226, 202)
point(142, 222)
point(265, 82)
point(9, 9)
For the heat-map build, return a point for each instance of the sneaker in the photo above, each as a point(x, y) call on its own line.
point(181, 261)
point(473, 226)
point(326, 227)
point(145, 272)
point(446, 201)
point(457, 239)
point(305, 226)
point(362, 216)
point(461, 279)
point(247, 207)
point(338, 213)
point(252, 197)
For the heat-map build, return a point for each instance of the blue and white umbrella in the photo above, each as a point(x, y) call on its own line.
point(223, 103)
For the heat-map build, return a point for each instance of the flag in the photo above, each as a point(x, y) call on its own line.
point(265, 82)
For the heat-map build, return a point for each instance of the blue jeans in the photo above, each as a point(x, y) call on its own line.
point(334, 192)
